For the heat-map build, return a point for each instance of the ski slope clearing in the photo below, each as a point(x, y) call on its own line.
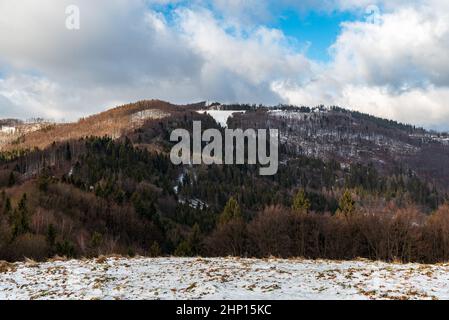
point(221, 278)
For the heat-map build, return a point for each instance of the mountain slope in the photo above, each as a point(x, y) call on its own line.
point(106, 185)
point(351, 137)
point(113, 123)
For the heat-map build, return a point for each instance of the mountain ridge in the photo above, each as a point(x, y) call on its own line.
point(327, 133)
point(115, 122)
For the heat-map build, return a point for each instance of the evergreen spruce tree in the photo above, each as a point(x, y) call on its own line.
point(21, 223)
point(195, 239)
point(155, 250)
point(7, 209)
point(231, 211)
point(68, 152)
point(183, 249)
point(347, 204)
point(301, 203)
point(51, 235)
point(11, 179)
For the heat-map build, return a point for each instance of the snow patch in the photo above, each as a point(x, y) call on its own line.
point(141, 116)
point(222, 278)
point(221, 116)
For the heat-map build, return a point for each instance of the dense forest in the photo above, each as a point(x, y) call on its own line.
point(97, 195)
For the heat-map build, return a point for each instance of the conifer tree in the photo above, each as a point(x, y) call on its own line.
point(21, 222)
point(68, 152)
point(301, 203)
point(51, 235)
point(183, 249)
point(11, 179)
point(231, 211)
point(155, 250)
point(347, 204)
point(8, 207)
point(194, 239)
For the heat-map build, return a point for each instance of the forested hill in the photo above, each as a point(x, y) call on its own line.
point(106, 185)
point(350, 137)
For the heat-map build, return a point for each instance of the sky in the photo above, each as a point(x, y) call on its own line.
point(386, 58)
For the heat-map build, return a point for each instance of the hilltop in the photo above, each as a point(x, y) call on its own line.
point(114, 123)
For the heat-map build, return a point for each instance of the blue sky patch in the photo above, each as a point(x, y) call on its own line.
point(317, 30)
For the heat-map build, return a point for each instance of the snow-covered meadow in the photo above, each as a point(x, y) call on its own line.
point(221, 278)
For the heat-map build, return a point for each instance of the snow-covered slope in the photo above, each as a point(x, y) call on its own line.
point(221, 116)
point(222, 278)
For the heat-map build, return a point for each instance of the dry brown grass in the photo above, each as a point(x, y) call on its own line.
point(31, 263)
point(57, 258)
point(7, 267)
point(101, 259)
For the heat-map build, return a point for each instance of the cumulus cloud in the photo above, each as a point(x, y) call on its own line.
point(396, 68)
point(121, 51)
point(259, 56)
point(220, 50)
point(126, 51)
point(117, 39)
point(407, 49)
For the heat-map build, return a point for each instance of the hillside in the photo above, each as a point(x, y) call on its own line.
point(113, 123)
point(349, 185)
point(351, 137)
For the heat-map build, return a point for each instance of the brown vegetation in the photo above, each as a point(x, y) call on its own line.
point(404, 235)
point(112, 123)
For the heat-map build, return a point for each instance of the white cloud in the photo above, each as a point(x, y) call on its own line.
point(122, 52)
point(258, 56)
point(397, 69)
point(126, 51)
point(32, 92)
point(407, 49)
point(426, 106)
